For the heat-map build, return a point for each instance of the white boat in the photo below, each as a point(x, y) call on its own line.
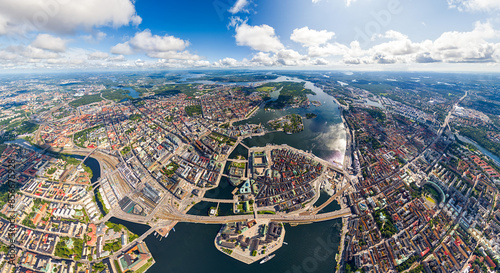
point(165, 235)
point(267, 258)
point(285, 243)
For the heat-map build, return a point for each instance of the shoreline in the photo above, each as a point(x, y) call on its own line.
point(239, 254)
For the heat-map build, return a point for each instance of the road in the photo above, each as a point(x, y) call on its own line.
point(440, 132)
point(218, 200)
point(339, 193)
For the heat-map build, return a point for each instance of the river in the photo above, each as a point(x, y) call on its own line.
point(493, 157)
point(311, 248)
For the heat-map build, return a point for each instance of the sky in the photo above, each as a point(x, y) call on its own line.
point(426, 35)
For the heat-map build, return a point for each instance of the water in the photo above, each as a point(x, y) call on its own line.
point(324, 135)
point(311, 248)
point(239, 150)
point(131, 92)
point(223, 191)
point(493, 157)
point(94, 165)
point(191, 249)
point(203, 207)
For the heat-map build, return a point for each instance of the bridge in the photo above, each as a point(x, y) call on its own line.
point(346, 212)
point(91, 152)
point(237, 160)
point(217, 200)
point(318, 209)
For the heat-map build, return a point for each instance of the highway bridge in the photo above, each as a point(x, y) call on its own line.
point(284, 218)
point(217, 200)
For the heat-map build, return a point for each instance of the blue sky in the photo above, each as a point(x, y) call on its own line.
point(451, 35)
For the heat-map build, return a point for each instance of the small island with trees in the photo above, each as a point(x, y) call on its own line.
point(289, 123)
point(310, 115)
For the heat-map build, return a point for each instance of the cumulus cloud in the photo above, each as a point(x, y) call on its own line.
point(93, 38)
point(261, 38)
point(155, 46)
point(145, 41)
point(37, 53)
point(474, 5)
point(122, 48)
point(49, 42)
point(263, 59)
point(64, 16)
point(98, 55)
point(227, 62)
point(474, 46)
point(239, 6)
point(311, 37)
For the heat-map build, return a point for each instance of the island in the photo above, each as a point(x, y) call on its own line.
point(311, 115)
point(414, 190)
point(289, 123)
point(250, 241)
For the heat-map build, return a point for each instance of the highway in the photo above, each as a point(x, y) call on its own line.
point(167, 214)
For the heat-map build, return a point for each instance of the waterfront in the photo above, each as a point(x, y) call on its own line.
point(190, 249)
point(310, 247)
point(324, 135)
point(493, 157)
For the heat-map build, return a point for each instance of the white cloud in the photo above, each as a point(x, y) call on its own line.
point(145, 41)
point(263, 59)
point(119, 58)
point(37, 53)
point(98, 55)
point(183, 55)
point(347, 2)
point(122, 48)
point(239, 6)
point(5, 55)
point(154, 46)
point(64, 16)
point(311, 37)
point(227, 62)
point(93, 38)
point(290, 57)
point(151, 44)
point(475, 46)
point(474, 5)
point(261, 38)
point(49, 42)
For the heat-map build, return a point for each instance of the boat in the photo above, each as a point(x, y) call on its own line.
point(267, 258)
point(285, 243)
